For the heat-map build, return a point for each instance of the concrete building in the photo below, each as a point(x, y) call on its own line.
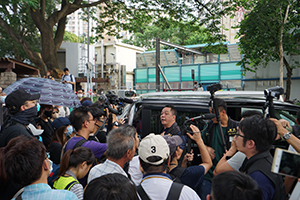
point(119, 62)
point(269, 77)
point(74, 57)
point(228, 23)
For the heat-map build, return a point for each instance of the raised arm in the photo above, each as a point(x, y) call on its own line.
point(207, 163)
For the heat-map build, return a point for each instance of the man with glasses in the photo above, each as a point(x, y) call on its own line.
point(84, 123)
point(254, 138)
point(22, 108)
point(100, 131)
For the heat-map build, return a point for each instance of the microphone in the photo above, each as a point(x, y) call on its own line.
point(126, 100)
point(205, 116)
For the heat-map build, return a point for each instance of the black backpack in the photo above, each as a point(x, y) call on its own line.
point(71, 76)
point(174, 192)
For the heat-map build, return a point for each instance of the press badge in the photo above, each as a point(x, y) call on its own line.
point(231, 134)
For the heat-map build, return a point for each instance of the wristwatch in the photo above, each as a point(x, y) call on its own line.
point(115, 123)
point(287, 136)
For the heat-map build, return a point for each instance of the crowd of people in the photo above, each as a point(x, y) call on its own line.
point(87, 153)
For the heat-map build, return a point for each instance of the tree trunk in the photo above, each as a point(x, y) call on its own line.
point(288, 79)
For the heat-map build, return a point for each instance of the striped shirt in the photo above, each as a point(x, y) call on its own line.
point(76, 188)
point(108, 167)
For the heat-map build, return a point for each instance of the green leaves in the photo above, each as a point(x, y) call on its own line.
point(260, 32)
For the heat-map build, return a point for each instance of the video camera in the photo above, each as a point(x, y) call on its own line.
point(270, 94)
point(214, 87)
point(113, 99)
point(274, 92)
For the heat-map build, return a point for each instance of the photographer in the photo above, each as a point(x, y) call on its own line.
point(212, 139)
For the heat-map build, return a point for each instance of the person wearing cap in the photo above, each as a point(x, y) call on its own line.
point(154, 155)
point(68, 79)
point(22, 110)
point(121, 146)
point(62, 132)
point(87, 103)
point(191, 176)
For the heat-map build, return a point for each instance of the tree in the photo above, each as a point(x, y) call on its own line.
point(43, 16)
point(20, 18)
point(144, 18)
point(187, 36)
point(71, 37)
point(268, 33)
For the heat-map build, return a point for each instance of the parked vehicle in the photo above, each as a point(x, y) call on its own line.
point(144, 113)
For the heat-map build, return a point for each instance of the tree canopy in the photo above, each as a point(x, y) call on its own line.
point(171, 20)
point(261, 32)
point(186, 36)
point(25, 21)
point(30, 23)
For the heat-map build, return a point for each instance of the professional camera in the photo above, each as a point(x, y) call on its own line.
point(274, 92)
point(214, 87)
point(113, 99)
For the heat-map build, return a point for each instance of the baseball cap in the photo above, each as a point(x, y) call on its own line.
point(173, 142)
point(60, 121)
point(154, 145)
point(87, 103)
point(17, 98)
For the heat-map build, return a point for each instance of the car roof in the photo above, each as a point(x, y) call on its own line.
point(255, 98)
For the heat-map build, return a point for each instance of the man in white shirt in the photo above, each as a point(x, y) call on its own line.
point(121, 146)
point(154, 156)
point(68, 79)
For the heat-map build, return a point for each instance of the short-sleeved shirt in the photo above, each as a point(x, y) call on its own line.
point(236, 160)
point(68, 78)
point(193, 176)
point(97, 148)
point(134, 170)
point(217, 146)
point(108, 167)
point(44, 191)
point(157, 186)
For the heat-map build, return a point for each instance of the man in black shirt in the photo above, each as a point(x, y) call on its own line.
point(22, 110)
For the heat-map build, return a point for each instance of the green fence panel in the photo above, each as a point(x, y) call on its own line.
point(186, 72)
point(141, 75)
point(209, 72)
point(229, 71)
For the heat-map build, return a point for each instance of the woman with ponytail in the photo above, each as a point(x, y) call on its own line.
point(74, 165)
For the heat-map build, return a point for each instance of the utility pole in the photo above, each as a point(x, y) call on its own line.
point(157, 64)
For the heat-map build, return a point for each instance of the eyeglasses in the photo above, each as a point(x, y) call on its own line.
point(90, 120)
point(239, 135)
point(54, 112)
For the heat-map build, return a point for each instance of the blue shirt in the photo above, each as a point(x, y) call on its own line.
point(193, 176)
point(68, 78)
point(42, 191)
point(265, 184)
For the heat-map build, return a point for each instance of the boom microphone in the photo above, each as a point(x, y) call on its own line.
point(205, 116)
point(126, 100)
